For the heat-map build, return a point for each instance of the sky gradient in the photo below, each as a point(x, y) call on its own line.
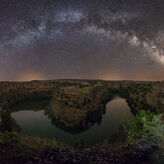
point(96, 39)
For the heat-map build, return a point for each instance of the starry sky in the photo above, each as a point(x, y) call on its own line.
point(81, 39)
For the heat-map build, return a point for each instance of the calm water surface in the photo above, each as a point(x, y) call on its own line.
point(36, 123)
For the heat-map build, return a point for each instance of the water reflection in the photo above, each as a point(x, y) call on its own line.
point(38, 124)
point(72, 122)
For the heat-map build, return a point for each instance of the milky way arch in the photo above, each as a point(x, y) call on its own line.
point(85, 39)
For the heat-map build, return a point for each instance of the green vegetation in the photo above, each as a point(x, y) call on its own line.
point(146, 124)
point(15, 146)
point(8, 140)
point(77, 105)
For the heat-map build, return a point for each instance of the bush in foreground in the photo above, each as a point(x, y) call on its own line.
point(146, 124)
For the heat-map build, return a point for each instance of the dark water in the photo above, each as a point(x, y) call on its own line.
point(36, 123)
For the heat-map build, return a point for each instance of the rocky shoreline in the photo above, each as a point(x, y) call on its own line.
point(81, 101)
point(140, 152)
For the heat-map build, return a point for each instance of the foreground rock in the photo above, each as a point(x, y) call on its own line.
point(140, 152)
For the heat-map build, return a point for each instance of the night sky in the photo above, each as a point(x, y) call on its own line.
point(86, 39)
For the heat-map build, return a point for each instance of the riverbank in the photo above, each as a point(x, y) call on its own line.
point(87, 98)
point(37, 151)
point(139, 141)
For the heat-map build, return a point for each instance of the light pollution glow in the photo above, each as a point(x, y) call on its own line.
point(82, 40)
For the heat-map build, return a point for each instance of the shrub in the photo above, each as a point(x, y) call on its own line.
point(9, 139)
point(144, 125)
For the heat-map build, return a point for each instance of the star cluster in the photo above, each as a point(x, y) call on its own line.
point(112, 40)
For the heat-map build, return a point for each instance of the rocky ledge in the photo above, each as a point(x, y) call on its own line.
point(140, 152)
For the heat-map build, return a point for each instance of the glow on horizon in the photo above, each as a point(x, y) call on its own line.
point(31, 76)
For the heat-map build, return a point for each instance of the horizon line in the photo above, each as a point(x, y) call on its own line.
point(81, 80)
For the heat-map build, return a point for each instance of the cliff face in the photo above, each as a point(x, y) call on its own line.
point(77, 108)
point(149, 96)
point(77, 104)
